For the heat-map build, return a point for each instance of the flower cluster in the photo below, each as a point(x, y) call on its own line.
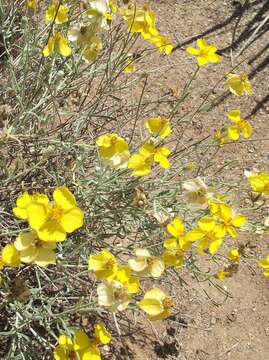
point(237, 84)
point(49, 223)
point(141, 20)
point(81, 346)
point(120, 282)
point(114, 150)
point(85, 34)
point(96, 18)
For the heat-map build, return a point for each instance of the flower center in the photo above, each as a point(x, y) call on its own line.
point(204, 53)
point(55, 212)
point(150, 260)
point(109, 264)
point(72, 355)
point(201, 192)
point(167, 302)
point(113, 140)
point(83, 30)
point(120, 294)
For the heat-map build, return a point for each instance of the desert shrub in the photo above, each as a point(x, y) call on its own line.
point(104, 203)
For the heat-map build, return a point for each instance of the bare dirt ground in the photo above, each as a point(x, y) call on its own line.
point(209, 325)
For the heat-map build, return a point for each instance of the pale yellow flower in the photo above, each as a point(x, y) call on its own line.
point(146, 265)
point(103, 264)
point(113, 295)
point(113, 150)
point(34, 250)
point(238, 84)
point(156, 304)
point(196, 192)
point(158, 126)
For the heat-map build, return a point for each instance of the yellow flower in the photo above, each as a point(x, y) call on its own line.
point(215, 206)
point(174, 257)
point(101, 334)
point(130, 65)
point(229, 220)
point(162, 43)
point(57, 43)
point(241, 126)
point(125, 277)
point(158, 126)
point(34, 250)
point(233, 255)
point(209, 234)
point(238, 84)
point(176, 228)
point(140, 20)
point(53, 221)
point(91, 51)
point(113, 295)
point(113, 150)
point(146, 265)
point(264, 263)
point(205, 53)
point(142, 163)
point(58, 12)
point(259, 181)
point(101, 12)
point(10, 256)
point(178, 242)
point(221, 137)
point(82, 34)
point(24, 201)
point(31, 4)
point(103, 264)
point(156, 304)
point(222, 274)
point(196, 192)
point(81, 346)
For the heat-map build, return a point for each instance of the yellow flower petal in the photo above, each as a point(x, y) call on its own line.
point(155, 293)
point(64, 198)
point(45, 257)
point(138, 265)
point(81, 340)
point(157, 268)
point(29, 255)
point(207, 224)
point(51, 231)
point(170, 243)
point(63, 47)
point(239, 220)
point(91, 353)
point(233, 132)
point(72, 220)
point(102, 334)
point(65, 342)
point(24, 240)
point(152, 307)
point(37, 215)
point(214, 246)
point(59, 353)
point(10, 256)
